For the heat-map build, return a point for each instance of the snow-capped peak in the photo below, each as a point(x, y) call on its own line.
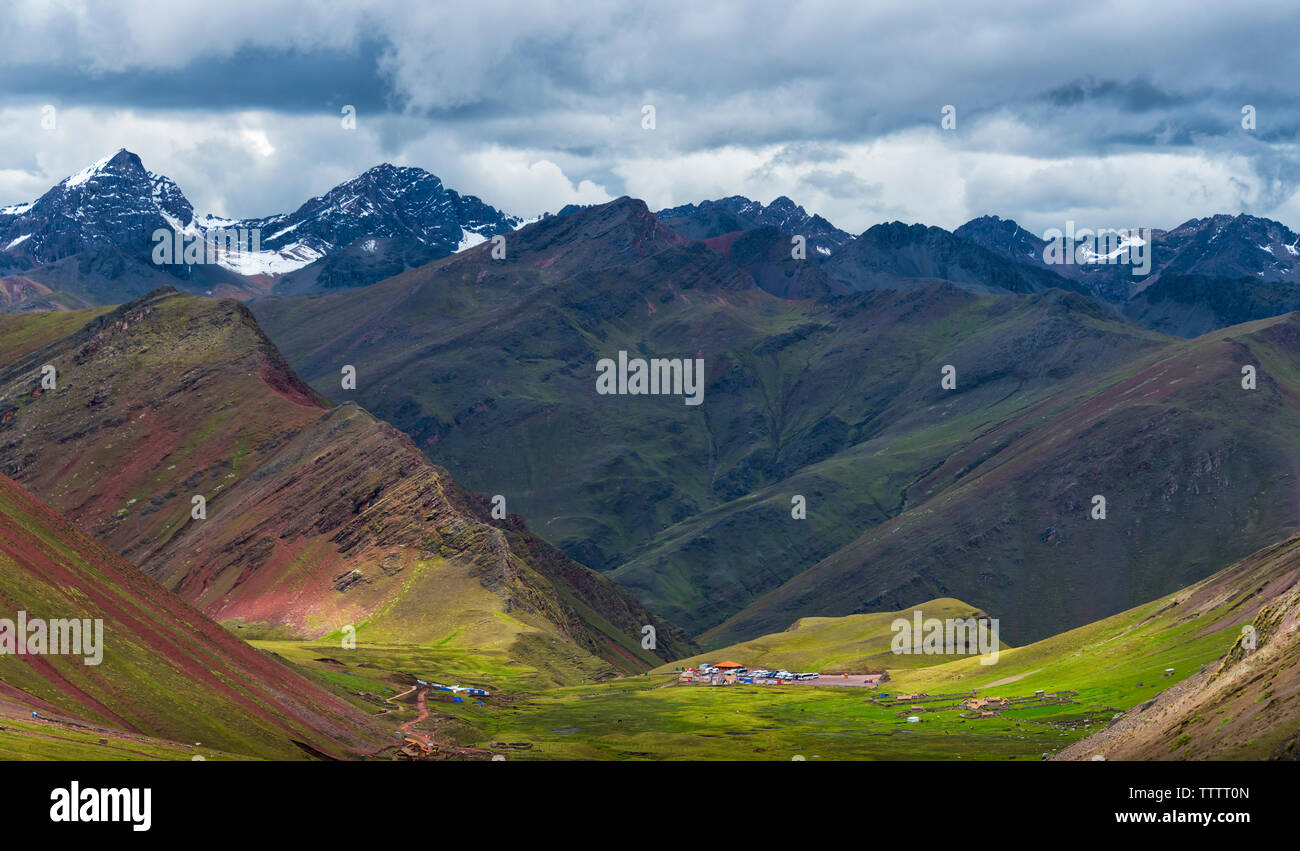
point(116, 202)
point(90, 171)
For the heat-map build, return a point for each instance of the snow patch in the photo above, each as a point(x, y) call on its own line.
point(86, 174)
point(281, 233)
point(469, 239)
point(1127, 240)
point(282, 261)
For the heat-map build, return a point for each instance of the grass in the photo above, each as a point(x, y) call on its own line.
point(648, 718)
point(1112, 665)
point(850, 644)
point(542, 709)
point(23, 739)
point(525, 669)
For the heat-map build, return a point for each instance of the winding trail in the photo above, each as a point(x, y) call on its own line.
point(422, 714)
point(422, 704)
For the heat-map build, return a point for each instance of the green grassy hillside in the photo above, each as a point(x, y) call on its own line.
point(1196, 471)
point(166, 671)
point(852, 644)
point(1092, 676)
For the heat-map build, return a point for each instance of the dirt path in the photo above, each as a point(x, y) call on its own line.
point(393, 700)
point(1009, 680)
point(421, 704)
point(398, 697)
point(422, 714)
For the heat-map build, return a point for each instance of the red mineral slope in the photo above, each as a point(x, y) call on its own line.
point(166, 671)
point(315, 518)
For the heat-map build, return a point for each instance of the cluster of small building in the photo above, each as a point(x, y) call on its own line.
point(454, 689)
point(986, 707)
point(732, 673)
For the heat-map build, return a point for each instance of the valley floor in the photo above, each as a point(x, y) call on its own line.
point(1111, 669)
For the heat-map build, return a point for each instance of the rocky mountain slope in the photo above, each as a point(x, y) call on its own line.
point(490, 365)
point(315, 517)
point(1196, 472)
point(1244, 706)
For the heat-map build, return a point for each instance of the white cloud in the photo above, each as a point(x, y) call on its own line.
point(535, 105)
point(257, 163)
point(922, 176)
point(523, 183)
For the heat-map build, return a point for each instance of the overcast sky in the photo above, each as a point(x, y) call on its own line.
point(1109, 114)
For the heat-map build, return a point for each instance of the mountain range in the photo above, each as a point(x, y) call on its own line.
point(86, 242)
point(386, 426)
point(488, 364)
point(823, 382)
point(737, 213)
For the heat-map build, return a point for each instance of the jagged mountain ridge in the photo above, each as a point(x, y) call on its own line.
point(709, 219)
point(374, 225)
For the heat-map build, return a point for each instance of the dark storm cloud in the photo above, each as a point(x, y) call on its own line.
point(1138, 95)
point(252, 77)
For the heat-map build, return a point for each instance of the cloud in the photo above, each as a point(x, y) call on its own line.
point(833, 103)
point(251, 163)
point(524, 182)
